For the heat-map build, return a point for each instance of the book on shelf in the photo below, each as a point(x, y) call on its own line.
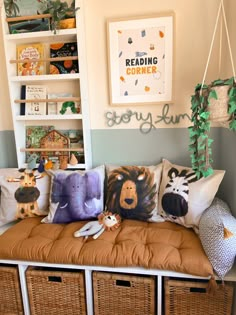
point(33, 137)
point(26, 26)
point(36, 92)
point(22, 97)
point(62, 107)
point(54, 107)
point(30, 54)
point(63, 50)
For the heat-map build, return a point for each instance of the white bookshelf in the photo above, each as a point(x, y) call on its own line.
point(74, 83)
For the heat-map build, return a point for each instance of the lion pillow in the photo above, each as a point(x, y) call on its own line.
point(132, 192)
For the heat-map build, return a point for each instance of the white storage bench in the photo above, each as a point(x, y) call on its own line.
point(148, 251)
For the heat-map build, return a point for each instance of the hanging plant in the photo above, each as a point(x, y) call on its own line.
point(200, 141)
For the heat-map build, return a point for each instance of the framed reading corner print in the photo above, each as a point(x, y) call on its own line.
point(140, 59)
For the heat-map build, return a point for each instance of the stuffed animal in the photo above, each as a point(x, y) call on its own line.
point(106, 222)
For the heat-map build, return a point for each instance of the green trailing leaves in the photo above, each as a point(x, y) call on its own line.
point(200, 141)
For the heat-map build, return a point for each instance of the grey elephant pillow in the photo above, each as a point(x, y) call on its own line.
point(76, 195)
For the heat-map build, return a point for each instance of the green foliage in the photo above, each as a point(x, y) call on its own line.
point(11, 8)
point(59, 10)
point(200, 142)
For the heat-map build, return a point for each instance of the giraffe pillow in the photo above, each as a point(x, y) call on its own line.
point(183, 197)
point(23, 194)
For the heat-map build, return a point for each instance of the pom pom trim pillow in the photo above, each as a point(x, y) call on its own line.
point(132, 191)
point(76, 195)
point(217, 232)
point(24, 193)
point(183, 197)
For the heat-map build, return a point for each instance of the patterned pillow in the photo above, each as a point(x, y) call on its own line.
point(132, 191)
point(23, 194)
point(217, 231)
point(183, 197)
point(76, 195)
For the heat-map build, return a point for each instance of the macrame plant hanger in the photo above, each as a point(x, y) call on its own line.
point(221, 12)
point(215, 102)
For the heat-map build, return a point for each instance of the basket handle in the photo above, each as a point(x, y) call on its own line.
point(198, 290)
point(123, 283)
point(54, 279)
point(222, 11)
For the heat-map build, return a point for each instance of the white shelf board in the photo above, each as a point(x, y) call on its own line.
point(48, 117)
point(46, 77)
point(61, 35)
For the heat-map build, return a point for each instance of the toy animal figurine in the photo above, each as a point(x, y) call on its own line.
point(31, 162)
point(106, 222)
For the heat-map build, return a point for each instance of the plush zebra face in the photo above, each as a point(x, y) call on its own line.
point(175, 198)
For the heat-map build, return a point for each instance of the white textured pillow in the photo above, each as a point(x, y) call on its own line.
point(217, 231)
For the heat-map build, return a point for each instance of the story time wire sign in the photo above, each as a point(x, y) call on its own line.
point(141, 60)
point(147, 121)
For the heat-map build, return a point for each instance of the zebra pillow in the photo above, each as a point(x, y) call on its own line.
point(217, 232)
point(183, 197)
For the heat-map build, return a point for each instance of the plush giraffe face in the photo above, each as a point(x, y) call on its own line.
point(27, 180)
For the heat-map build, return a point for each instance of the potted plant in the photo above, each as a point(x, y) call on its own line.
point(60, 10)
point(205, 104)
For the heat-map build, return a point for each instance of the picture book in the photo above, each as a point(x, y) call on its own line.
point(64, 50)
point(30, 54)
point(35, 92)
point(26, 26)
point(33, 137)
point(22, 97)
point(55, 107)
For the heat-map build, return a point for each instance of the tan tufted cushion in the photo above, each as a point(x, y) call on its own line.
point(164, 245)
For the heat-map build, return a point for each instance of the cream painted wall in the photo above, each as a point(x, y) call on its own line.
point(5, 106)
point(195, 22)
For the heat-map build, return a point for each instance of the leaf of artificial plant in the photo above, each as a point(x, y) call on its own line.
point(213, 94)
point(232, 125)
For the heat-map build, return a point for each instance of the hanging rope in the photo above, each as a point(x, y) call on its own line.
point(221, 10)
point(228, 40)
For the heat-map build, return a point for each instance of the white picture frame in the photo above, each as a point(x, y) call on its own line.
point(140, 59)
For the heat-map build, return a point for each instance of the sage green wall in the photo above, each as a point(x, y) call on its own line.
point(132, 147)
point(227, 153)
point(7, 149)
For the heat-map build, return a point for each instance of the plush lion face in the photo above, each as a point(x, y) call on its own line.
point(131, 192)
point(128, 195)
point(109, 220)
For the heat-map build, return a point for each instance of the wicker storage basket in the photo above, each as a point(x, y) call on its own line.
point(191, 298)
point(219, 108)
point(10, 293)
point(56, 291)
point(123, 294)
